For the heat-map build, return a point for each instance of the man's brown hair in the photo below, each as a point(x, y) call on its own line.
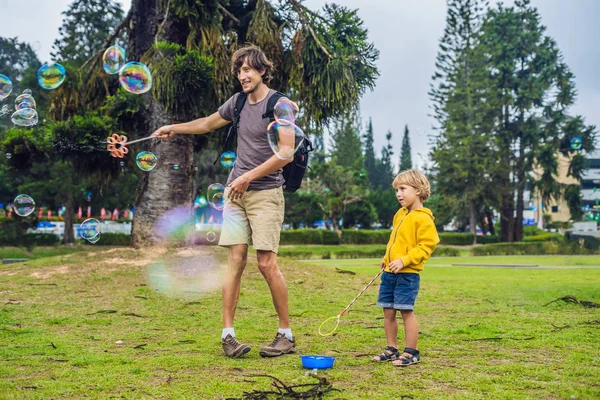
point(255, 58)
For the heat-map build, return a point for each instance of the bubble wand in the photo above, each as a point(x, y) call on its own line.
point(347, 307)
point(117, 144)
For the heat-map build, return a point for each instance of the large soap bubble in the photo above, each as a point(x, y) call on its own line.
point(51, 76)
point(284, 138)
point(135, 77)
point(6, 86)
point(146, 161)
point(23, 205)
point(113, 59)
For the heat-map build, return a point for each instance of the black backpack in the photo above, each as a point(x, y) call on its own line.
point(292, 172)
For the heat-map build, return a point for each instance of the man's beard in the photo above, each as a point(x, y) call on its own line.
point(252, 88)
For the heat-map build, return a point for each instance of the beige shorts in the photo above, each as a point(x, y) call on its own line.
point(254, 219)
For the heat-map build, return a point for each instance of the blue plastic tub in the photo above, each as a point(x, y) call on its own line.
point(317, 362)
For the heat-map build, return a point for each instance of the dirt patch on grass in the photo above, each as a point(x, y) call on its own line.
point(58, 269)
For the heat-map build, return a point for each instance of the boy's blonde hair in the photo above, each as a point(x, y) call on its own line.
point(416, 179)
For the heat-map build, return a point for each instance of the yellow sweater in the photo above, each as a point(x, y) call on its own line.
point(413, 239)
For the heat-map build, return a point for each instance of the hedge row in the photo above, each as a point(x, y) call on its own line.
point(585, 241)
point(309, 236)
point(531, 248)
point(111, 239)
point(321, 254)
point(30, 240)
point(350, 236)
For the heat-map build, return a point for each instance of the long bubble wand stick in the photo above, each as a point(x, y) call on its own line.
point(347, 307)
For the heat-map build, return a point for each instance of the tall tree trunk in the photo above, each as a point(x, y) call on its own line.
point(166, 186)
point(520, 191)
point(490, 218)
point(473, 219)
point(334, 222)
point(69, 237)
point(507, 217)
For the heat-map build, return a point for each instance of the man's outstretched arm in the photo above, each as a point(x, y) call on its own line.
point(198, 126)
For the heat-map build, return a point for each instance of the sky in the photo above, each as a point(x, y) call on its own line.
point(407, 34)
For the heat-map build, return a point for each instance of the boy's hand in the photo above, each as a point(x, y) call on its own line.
point(396, 265)
point(382, 264)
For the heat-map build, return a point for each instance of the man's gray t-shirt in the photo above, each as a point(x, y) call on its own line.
point(252, 145)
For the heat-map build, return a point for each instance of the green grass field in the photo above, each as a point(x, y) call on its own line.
point(89, 325)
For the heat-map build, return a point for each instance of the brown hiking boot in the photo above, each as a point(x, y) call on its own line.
point(280, 345)
point(233, 348)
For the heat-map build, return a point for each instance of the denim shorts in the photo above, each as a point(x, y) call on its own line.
point(398, 291)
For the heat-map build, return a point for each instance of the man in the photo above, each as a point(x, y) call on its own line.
point(255, 205)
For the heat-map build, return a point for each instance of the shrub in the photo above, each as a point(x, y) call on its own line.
point(40, 239)
point(586, 241)
point(465, 238)
point(346, 254)
point(456, 239)
point(309, 236)
point(531, 248)
point(352, 236)
point(12, 231)
point(532, 231)
point(543, 237)
point(112, 239)
point(445, 252)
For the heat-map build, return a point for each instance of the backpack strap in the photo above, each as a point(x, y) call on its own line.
point(239, 104)
point(271, 105)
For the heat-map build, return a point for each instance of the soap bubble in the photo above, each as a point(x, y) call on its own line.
point(23, 205)
point(122, 163)
point(95, 239)
point(211, 237)
point(576, 143)
point(215, 194)
point(176, 167)
point(227, 159)
point(146, 161)
point(176, 225)
point(5, 110)
point(51, 76)
point(135, 77)
point(113, 59)
point(8, 156)
point(200, 202)
point(284, 138)
point(25, 100)
point(188, 277)
point(25, 117)
point(89, 229)
point(285, 110)
point(6, 87)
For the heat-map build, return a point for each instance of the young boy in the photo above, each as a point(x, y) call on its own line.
point(411, 243)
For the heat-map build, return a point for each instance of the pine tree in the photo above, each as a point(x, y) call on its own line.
point(346, 146)
point(405, 151)
point(85, 27)
point(530, 90)
point(370, 159)
point(460, 149)
point(387, 165)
